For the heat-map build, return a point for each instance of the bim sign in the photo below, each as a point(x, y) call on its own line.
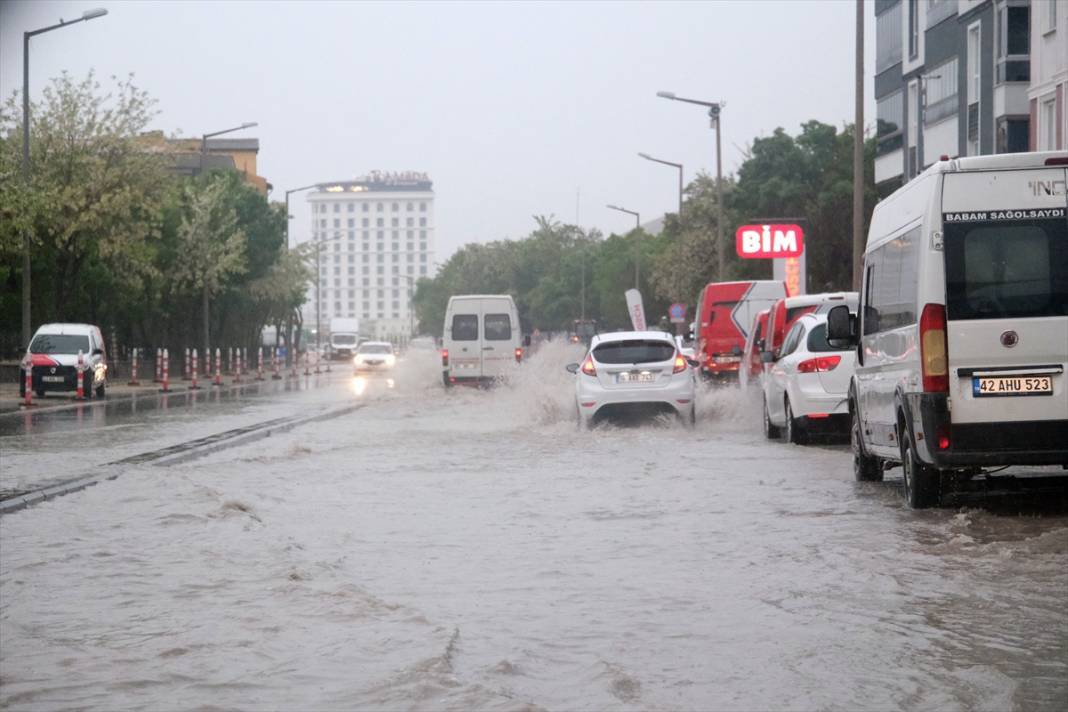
point(764, 241)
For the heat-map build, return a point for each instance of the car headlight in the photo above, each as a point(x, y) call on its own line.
point(390, 359)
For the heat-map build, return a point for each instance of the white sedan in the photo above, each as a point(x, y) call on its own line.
point(806, 389)
point(633, 372)
point(374, 356)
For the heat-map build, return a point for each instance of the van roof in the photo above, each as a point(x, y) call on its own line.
point(625, 335)
point(65, 328)
point(743, 281)
point(804, 300)
point(998, 162)
point(480, 296)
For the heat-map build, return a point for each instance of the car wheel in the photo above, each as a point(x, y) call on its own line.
point(692, 420)
point(101, 390)
point(866, 468)
point(795, 431)
point(771, 431)
point(922, 482)
point(445, 380)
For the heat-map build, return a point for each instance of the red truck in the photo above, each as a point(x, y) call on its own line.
point(725, 312)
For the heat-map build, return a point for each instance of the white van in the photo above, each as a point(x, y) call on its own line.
point(481, 342)
point(962, 333)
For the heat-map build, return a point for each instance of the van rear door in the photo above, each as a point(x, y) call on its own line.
point(465, 335)
point(499, 336)
point(1005, 244)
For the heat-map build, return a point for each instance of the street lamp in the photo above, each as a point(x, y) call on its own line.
point(637, 242)
point(647, 157)
point(86, 16)
point(204, 138)
point(714, 108)
point(288, 216)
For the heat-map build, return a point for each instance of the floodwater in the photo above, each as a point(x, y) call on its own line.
point(475, 550)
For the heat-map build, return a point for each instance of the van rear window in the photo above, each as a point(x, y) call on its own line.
point(634, 351)
point(1007, 270)
point(464, 327)
point(498, 327)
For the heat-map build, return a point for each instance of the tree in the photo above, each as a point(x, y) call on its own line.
point(211, 244)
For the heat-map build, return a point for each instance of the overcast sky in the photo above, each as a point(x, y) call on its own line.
point(511, 108)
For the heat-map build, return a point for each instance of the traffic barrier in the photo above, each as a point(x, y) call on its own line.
point(133, 370)
point(166, 372)
point(186, 369)
point(218, 368)
point(27, 397)
point(237, 367)
point(159, 365)
point(294, 358)
point(329, 358)
point(193, 386)
point(317, 355)
point(259, 366)
point(229, 360)
point(79, 389)
point(307, 366)
point(276, 376)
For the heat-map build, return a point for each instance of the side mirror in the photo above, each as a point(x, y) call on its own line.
point(572, 367)
point(767, 357)
point(694, 363)
point(841, 328)
point(526, 340)
point(97, 352)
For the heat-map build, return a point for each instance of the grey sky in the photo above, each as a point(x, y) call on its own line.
point(509, 107)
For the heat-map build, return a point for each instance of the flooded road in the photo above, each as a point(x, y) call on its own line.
point(474, 550)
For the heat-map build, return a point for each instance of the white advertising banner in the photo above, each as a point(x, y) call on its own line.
point(635, 309)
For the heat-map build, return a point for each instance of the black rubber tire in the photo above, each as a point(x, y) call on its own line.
point(771, 432)
point(445, 379)
point(101, 391)
point(866, 468)
point(922, 482)
point(794, 431)
point(692, 420)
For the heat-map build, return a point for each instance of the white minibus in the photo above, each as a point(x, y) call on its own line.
point(482, 341)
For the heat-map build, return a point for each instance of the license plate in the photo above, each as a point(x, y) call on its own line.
point(1024, 385)
point(52, 379)
point(636, 377)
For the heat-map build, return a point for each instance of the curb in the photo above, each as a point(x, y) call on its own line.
point(175, 454)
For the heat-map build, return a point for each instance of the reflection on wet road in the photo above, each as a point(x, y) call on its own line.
point(474, 550)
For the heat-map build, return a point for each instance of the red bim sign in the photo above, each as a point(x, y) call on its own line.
point(764, 241)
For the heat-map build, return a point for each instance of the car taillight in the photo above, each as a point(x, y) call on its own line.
point(518, 355)
point(820, 364)
point(588, 368)
point(444, 357)
point(933, 350)
point(680, 364)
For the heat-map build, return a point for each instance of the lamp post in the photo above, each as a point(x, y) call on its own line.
point(637, 242)
point(288, 216)
point(204, 138)
point(647, 157)
point(86, 16)
point(714, 108)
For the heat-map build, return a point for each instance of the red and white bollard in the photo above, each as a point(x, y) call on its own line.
point(79, 389)
point(329, 357)
point(159, 366)
point(187, 369)
point(193, 386)
point(218, 368)
point(27, 397)
point(259, 365)
point(230, 360)
point(237, 368)
point(307, 366)
point(293, 359)
point(275, 375)
point(133, 370)
point(166, 358)
point(318, 354)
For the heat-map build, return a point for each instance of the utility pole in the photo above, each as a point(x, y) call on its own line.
point(858, 154)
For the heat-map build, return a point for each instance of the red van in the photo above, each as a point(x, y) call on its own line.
point(725, 312)
point(788, 310)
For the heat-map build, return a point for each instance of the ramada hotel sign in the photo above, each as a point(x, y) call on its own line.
point(783, 243)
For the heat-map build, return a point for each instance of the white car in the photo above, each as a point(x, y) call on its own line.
point(633, 371)
point(53, 353)
point(374, 356)
point(807, 389)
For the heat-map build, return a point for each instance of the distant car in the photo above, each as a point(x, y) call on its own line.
point(686, 348)
point(633, 371)
point(423, 343)
point(53, 353)
point(785, 312)
point(724, 311)
point(374, 356)
point(807, 389)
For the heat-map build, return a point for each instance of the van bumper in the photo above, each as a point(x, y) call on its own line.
point(1033, 442)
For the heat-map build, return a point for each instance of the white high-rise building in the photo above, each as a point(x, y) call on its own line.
point(376, 239)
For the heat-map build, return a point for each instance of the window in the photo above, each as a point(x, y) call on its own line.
point(380, 222)
point(940, 85)
point(396, 246)
point(410, 222)
point(366, 207)
point(396, 207)
point(322, 223)
point(1013, 43)
point(410, 246)
point(1000, 270)
point(914, 28)
point(1049, 17)
point(381, 235)
point(422, 271)
point(890, 115)
point(1047, 124)
point(793, 338)
point(365, 223)
point(422, 207)
point(1013, 135)
point(422, 222)
point(60, 344)
point(395, 235)
point(817, 340)
point(366, 257)
point(396, 306)
point(366, 235)
point(913, 137)
point(337, 207)
point(888, 38)
point(366, 270)
point(410, 207)
point(974, 75)
point(395, 222)
point(422, 234)
point(634, 351)
point(337, 222)
point(422, 246)
point(422, 257)
point(411, 270)
point(379, 207)
point(352, 207)
point(351, 223)
point(498, 327)
point(464, 327)
point(381, 248)
point(891, 284)
point(938, 10)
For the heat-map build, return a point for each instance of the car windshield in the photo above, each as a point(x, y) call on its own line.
point(634, 351)
point(60, 344)
point(343, 339)
point(376, 349)
point(817, 340)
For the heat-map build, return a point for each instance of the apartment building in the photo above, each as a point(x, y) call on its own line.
point(964, 78)
point(375, 239)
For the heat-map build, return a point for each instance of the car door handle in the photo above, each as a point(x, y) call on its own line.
point(487, 348)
